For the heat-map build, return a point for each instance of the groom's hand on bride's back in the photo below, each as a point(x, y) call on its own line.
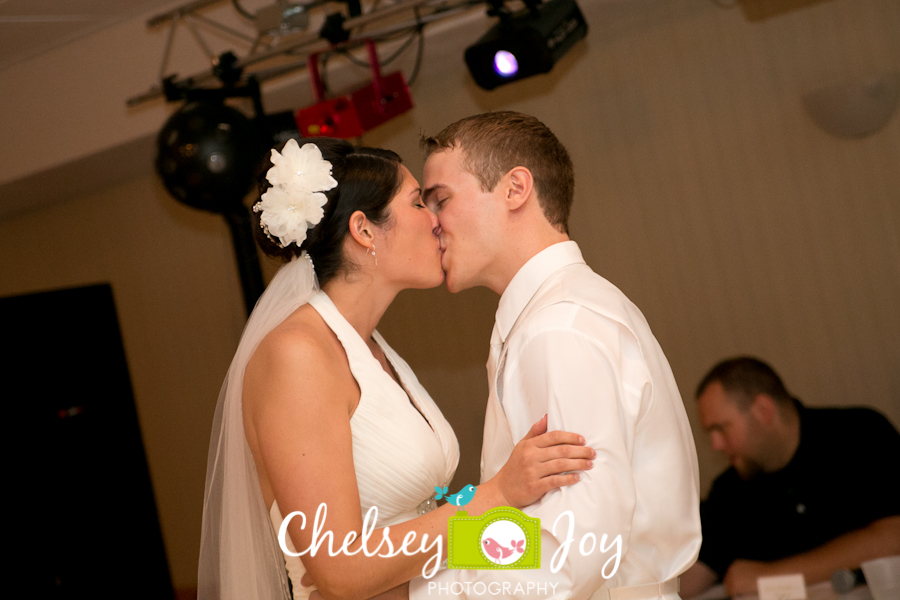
point(542, 461)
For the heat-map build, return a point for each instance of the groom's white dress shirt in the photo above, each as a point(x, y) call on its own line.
point(569, 344)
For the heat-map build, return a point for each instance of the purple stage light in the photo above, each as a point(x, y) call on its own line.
point(505, 64)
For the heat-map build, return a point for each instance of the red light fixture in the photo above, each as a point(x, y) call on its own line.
point(352, 115)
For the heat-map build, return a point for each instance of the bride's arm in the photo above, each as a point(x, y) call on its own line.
point(298, 397)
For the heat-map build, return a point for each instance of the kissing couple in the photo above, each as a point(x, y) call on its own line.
point(317, 408)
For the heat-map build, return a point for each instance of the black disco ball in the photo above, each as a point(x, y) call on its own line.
point(208, 154)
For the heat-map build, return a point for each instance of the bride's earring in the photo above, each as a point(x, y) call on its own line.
point(373, 255)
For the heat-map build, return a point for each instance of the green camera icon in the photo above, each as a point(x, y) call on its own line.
point(502, 538)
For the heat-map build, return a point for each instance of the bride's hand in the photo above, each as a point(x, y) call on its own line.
point(542, 462)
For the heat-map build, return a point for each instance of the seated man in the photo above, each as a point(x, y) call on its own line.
point(810, 490)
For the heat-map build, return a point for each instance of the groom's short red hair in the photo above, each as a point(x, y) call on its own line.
point(496, 142)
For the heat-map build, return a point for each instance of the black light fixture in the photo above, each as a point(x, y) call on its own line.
point(208, 155)
point(525, 43)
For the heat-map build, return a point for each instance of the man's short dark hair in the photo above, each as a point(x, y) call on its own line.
point(496, 142)
point(744, 378)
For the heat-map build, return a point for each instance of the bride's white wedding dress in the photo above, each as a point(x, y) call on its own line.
point(399, 456)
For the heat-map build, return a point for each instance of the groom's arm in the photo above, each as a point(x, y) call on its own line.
point(573, 374)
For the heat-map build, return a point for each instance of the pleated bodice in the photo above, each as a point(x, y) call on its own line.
point(399, 456)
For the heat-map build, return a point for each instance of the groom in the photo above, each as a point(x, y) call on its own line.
point(569, 344)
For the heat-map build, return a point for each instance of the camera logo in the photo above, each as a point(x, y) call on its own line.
point(502, 538)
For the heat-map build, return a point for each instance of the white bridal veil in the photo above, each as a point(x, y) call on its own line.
point(239, 554)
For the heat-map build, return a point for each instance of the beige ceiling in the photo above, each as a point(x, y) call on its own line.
point(31, 27)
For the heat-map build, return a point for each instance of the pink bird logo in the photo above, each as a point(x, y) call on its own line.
point(498, 552)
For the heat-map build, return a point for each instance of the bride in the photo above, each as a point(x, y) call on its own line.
point(317, 408)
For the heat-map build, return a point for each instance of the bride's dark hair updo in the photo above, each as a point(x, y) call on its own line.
point(368, 178)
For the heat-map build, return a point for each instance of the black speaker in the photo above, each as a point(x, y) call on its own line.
point(81, 517)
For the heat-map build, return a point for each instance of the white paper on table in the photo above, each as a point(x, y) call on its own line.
point(782, 587)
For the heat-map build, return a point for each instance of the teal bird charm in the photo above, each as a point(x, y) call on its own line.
point(460, 498)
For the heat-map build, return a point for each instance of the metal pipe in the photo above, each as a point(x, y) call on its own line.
point(181, 10)
point(381, 13)
point(273, 72)
point(309, 40)
point(169, 39)
point(249, 269)
point(189, 19)
point(312, 67)
point(305, 40)
point(225, 28)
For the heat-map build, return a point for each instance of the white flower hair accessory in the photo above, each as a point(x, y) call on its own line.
point(295, 201)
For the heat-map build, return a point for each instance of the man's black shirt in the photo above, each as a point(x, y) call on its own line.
point(842, 477)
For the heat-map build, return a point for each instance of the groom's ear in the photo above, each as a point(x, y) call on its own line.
point(361, 229)
point(519, 185)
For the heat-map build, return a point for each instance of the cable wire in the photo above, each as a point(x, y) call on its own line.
point(243, 11)
point(411, 33)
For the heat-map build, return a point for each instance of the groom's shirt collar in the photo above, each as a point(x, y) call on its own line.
point(529, 278)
